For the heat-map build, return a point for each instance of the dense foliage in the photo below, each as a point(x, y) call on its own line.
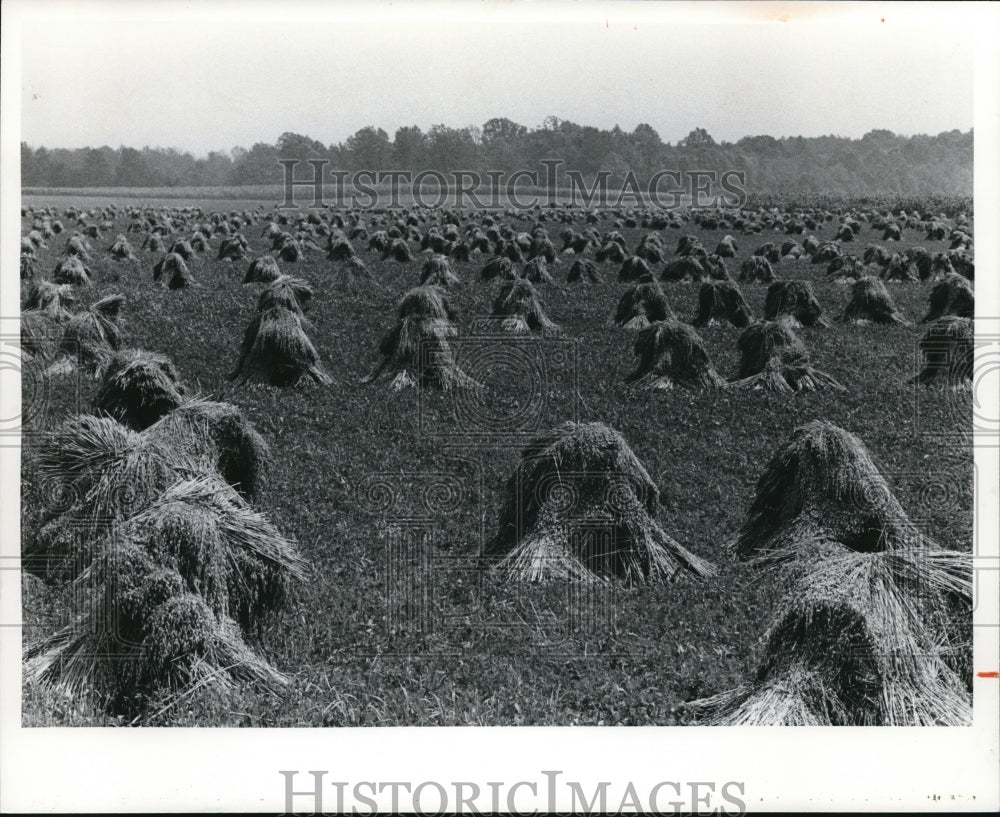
point(879, 162)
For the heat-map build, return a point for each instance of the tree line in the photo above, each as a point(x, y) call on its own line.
point(878, 163)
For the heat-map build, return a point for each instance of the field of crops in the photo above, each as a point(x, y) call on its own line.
point(479, 650)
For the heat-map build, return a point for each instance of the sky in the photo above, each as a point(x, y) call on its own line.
point(233, 75)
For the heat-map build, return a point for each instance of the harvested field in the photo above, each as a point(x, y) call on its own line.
point(391, 495)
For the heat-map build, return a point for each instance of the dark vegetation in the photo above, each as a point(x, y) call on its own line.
point(880, 162)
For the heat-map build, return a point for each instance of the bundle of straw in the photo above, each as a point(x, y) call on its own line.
point(672, 354)
point(581, 506)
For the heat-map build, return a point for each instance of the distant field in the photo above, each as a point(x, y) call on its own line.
point(245, 193)
point(158, 197)
point(269, 196)
point(500, 654)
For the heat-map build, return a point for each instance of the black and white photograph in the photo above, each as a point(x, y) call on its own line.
point(522, 370)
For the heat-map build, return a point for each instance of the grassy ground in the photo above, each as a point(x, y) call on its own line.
point(495, 654)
